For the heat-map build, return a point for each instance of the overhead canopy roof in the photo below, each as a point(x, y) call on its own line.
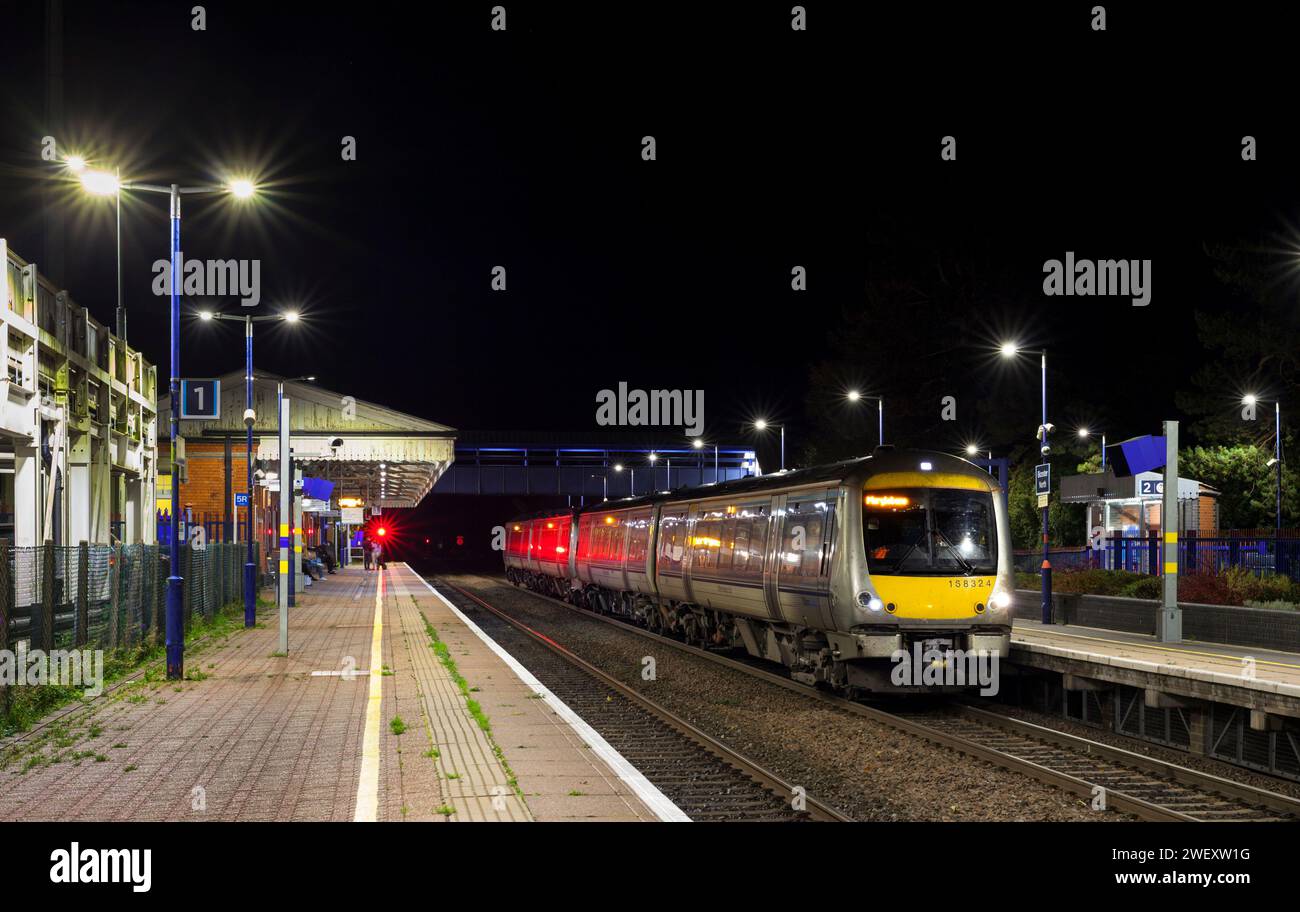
point(383, 456)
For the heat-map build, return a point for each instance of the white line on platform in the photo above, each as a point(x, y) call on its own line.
point(646, 790)
point(368, 782)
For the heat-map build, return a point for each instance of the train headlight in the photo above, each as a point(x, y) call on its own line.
point(869, 601)
point(1000, 599)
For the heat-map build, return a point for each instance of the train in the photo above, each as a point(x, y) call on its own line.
point(836, 572)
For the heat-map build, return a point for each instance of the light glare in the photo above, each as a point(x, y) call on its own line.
point(101, 183)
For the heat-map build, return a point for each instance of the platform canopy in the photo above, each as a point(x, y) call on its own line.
point(382, 456)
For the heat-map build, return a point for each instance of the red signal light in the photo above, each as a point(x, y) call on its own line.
point(460, 539)
point(381, 531)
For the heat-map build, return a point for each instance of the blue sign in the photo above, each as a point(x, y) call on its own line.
point(1135, 456)
point(201, 399)
point(1151, 487)
point(1043, 478)
point(241, 498)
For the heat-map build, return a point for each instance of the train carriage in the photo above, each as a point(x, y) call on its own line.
point(830, 570)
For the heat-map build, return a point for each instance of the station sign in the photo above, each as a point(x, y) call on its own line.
point(201, 399)
point(1151, 487)
point(353, 516)
point(241, 498)
point(1043, 479)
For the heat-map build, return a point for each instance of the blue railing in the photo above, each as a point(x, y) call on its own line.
point(1261, 555)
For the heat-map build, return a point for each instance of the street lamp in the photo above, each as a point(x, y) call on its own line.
point(1010, 350)
point(1276, 461)
point(104, 182)
point(1085, 433)
point(250, 416)
point(668, 476)
point(699, 444)
point(761, 425)
point(604, 480)
point(854, 396)
point(618, 467)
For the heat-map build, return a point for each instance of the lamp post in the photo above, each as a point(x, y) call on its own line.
point(761, 425)
point(604, 480)
point(250, 416)
point(1276, 462)
point(1010, 350)
point(668, 477)
point(1085, 433)
point(854, 396)
point(103, 183)
point(618, 467)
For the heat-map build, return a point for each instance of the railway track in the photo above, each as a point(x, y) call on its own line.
point(1108, 777)
point(706, 779)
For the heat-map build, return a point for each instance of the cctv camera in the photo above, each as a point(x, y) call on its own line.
point(249, 417)
point(1045, 450)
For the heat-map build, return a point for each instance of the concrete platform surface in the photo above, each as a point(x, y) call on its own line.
point(367, 718)
point(1271, 675)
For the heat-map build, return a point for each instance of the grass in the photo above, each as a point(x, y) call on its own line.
point(445, 810)
point(475, 710)
point(397, 725)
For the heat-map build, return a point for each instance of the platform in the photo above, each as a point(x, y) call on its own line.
point(1261, 680)
point(252, 735)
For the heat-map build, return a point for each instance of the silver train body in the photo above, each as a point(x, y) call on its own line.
point(831, 571)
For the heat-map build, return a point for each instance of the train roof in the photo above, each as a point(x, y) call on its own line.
point(883, 459)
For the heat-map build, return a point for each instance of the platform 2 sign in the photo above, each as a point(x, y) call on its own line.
point(1151, 487)
point(201, 399)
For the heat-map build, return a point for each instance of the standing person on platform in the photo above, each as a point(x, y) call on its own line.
point(365, 552)
point(379, 557)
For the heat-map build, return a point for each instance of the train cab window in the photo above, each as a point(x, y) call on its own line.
point(929, 530)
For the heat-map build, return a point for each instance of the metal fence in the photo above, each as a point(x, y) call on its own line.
point(1261, 555)
point(108, 596)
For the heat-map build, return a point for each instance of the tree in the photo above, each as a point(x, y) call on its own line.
point(1254, 344)
point(1247, 485)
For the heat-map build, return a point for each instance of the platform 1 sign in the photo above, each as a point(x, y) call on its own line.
point(201, 399)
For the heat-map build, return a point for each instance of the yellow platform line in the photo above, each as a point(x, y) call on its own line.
point(368, 781)
point(1156, 646)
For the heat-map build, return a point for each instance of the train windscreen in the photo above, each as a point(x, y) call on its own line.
point(929, 530)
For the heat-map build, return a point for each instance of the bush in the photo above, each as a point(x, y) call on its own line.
point(1094, 582)
point(1206, 588)
point(1148, 587)
point(1274, 606)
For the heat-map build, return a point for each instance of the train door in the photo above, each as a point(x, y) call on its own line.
point(688, 561)
point(776, 522)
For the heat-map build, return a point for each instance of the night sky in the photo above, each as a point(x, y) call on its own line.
point(774, 149)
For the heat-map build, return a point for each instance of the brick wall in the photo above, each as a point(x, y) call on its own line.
point(205, 491)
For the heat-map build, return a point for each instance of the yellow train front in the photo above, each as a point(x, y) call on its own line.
point(927, 565)
point(889, 573)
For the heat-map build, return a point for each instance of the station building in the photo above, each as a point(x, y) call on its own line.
point(78, 421)
point(343, 448)
point(1131, 506)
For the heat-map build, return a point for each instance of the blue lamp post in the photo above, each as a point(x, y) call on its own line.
point(250, 416)
point(106, 182)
